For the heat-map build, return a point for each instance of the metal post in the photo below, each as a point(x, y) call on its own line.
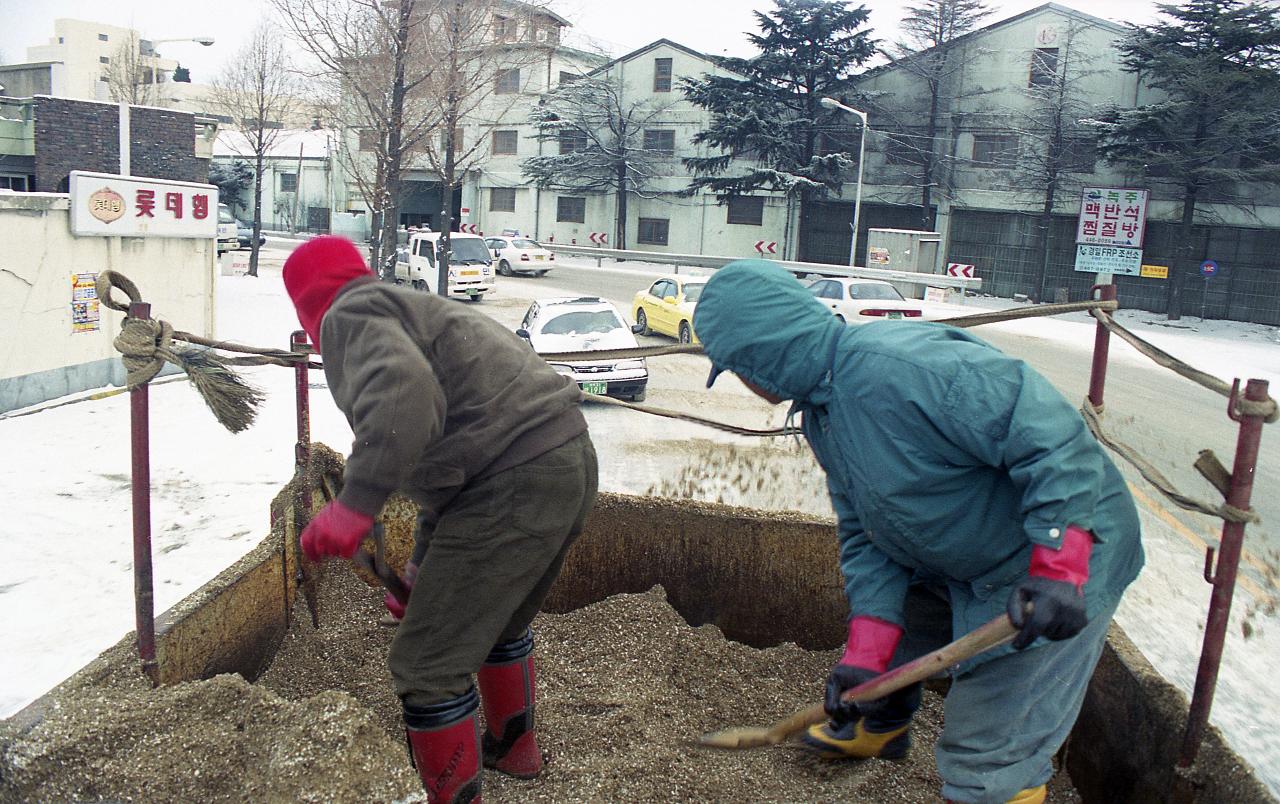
point(301, 449)
point(857, 199)
point(1101, 348)
point(143, 591)
point(1223, 577)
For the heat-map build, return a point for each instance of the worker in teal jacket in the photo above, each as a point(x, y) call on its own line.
point(960, 477)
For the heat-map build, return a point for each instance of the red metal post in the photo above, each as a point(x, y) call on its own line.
point(1101, 348)
point(140, 442)
point(1224, 578)
point(302, 449)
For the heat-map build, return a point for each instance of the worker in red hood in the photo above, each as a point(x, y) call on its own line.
point(462, 416)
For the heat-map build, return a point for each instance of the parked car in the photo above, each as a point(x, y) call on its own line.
point(861, 301)
point(470, 266)
point(584, 324)
point(244, 232)
point(666, 307)
point(227, 237)
point(520, 255)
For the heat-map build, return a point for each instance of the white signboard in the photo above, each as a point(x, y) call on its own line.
point(107, 205)
point(1112, 217)
point(1108, 260)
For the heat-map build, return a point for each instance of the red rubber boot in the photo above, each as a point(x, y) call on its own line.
point(506, 688)
point(444, 747)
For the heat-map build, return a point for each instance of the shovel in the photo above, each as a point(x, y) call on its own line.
point(997, 632)
point(376, 563)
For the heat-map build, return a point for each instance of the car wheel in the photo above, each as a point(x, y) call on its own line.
point(638, 397)
point(540, 273)
point(399, 281)
point(642, 321)
point(686, 334)
point(475, 298)
point(504, 268)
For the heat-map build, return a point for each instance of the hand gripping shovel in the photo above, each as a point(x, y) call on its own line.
point(376, 563)
point(997, 632)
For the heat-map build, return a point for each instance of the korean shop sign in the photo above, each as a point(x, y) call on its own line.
point(104, 204)
point(1112, 217)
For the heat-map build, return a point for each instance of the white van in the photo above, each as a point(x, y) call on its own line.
point(470, 265)
point(228, 237)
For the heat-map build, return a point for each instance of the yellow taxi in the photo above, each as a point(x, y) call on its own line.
point(666, 306)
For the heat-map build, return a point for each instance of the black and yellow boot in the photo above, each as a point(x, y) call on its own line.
point(1032, 795)
point(856, 739)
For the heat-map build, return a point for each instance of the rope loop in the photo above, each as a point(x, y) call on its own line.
point(110, 279)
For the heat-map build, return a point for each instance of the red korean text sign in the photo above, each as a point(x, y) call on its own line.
point(1112, 216)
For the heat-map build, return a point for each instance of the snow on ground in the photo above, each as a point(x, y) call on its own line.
point(68, 496)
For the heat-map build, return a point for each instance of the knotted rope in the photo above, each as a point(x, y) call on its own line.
point(146, 344)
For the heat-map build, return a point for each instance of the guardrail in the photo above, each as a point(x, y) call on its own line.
point(708, 261)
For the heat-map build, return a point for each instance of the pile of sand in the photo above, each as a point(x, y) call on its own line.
point(625, 686)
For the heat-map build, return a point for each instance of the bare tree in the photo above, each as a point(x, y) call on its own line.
point(258, 90)
point(132, 76)
point(930, 29)
point(372, 62)
point(1055, 147)
point(601, 144)
point(483, 49)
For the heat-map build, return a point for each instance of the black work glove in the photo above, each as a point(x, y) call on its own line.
point(894, 707)
point(1057, 610)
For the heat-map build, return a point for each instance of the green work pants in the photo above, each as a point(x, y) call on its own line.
point(488, 564)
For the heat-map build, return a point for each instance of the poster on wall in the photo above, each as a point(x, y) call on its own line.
point(85, 316)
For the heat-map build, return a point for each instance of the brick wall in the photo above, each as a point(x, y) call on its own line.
point(83, 135)
point(162, 145)
point(74, 135)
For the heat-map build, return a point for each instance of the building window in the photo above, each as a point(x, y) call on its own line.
point(653, 231)
point(571, 139)
point(571, 209)
point(662, 75)
point(505, 142)
point(18, 183)
point(504, 29)
point(101, 38)
point(1044, 67)
point(368, 139)
point(288, 182)
point(507, 82)
point(567, 77)
point(502, 199)
point(661, 141)
point(104, 59)
point(994, 150)
point(747, 210)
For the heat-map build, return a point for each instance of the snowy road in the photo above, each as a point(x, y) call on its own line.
point(68, 494)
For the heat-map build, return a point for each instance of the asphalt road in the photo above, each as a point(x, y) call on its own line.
point(1166, 418)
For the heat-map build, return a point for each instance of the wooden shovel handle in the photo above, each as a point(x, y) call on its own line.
point(994, 633)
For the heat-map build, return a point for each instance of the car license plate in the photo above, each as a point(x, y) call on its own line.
point(538, 257)
point(595, 387)
point(470, 273)
point(894, 314)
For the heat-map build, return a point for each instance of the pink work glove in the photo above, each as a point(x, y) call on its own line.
point(1054, 587)
point(336, 531)
point(409, 575)
point(867, 653)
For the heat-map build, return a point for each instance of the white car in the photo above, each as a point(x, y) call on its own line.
point(861, 301)
point(584, 324)
point(470, 266)
point(520, 255)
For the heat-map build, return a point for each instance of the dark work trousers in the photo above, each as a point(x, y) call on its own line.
point(489, 562)
point(1006, 718)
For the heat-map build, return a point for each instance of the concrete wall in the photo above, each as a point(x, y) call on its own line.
point(40, 356)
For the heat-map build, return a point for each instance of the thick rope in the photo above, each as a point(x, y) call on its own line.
point(996, 316)
point(689, 417)
point(1266, 408)
point(1153, 475)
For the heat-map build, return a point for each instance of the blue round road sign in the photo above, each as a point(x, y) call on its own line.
point(1208, 269)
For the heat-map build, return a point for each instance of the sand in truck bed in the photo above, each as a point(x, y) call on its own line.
point(624, 685)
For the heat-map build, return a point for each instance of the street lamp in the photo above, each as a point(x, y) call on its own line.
point(147, 47)
point(862, 151)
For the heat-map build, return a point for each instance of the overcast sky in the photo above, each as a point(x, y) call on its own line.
point(712, 26)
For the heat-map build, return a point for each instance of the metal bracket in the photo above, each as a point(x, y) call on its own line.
point(1210, 576)
point(1233, 402)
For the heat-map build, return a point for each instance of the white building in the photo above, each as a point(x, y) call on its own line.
point(298, 188)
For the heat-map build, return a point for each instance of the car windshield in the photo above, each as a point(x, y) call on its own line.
point(468, 250)
point(875, 292)
point(582, 322)
point(225, 217)
point(692, 292)
point(525, 243)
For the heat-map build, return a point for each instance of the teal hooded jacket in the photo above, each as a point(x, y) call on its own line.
point(946, 459)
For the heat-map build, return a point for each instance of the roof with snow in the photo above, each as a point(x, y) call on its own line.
point(645, 49)
point(314, 143)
